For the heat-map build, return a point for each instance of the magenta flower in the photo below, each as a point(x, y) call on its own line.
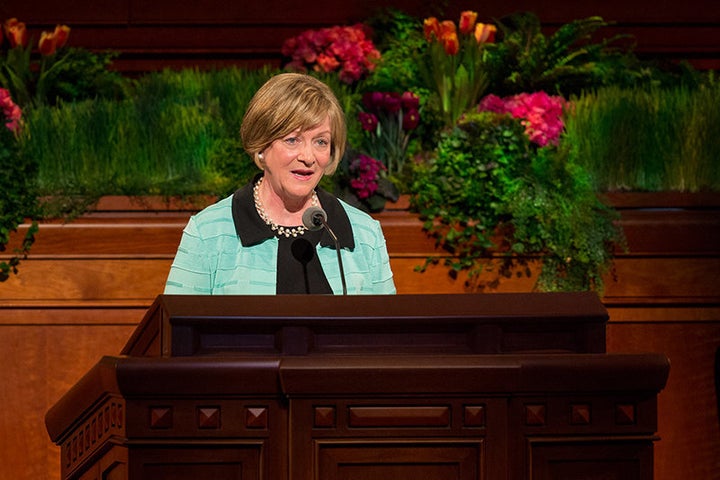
point(410, 101)
point(411, 119)
point(388, 118)
point(366, 170)
point(391, 102)
point(368, 120)
point(373, 100)
point(12, 113)
point(492, 103)
point(540, 114)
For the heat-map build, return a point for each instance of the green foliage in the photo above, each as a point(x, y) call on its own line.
point(70, 74)
point(488, 191)
point(648, 139)
point(484, 192)
point(399, 38)
point(526, 60)
point(176, 134)
point(85, 75)
point(18, 201)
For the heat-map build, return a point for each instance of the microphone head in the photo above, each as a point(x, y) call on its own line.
point(313, 218)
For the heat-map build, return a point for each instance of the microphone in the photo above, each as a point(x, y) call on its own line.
point(315, 218)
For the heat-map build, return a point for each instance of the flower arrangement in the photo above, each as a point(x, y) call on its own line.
point(344, 49)
point(540, 114)
point(454, 64)
point(494, 201)
point(50, 70)
point(365, 173)
point(17, 200)
point(388, 118)
point(27, 80)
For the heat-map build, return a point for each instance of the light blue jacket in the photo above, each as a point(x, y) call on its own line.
point(211, 258)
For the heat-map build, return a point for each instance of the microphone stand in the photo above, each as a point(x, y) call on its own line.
point(337, 249)
point(315, 218)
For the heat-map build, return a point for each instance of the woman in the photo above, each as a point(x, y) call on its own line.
point(254, 241)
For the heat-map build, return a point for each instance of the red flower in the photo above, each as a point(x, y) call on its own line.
point(467, 22)
point(373, 100)
point(485, 33)
point(451, 44)
point(347, 50)
point(16, 33)
point(368, 120)
point(391, 102)
point(51, 41)
point(411, 119)
point(447, 27)
point(431, 28)
point(410, 101)
point(327, 63)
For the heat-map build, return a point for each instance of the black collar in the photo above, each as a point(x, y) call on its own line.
point(252, 230)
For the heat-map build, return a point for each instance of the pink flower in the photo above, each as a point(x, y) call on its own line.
point(540, 114)
point(12, 112)
point(492, 103)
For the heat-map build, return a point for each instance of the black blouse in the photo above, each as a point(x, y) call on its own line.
point(298, 266)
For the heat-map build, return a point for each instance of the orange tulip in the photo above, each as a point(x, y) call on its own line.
point(447, 27)
point(50, 42)
point(485, 33)
point(467, 22)
point(46, 45)
point(62, 32)
point(16, 33)
point(431, 28)
point(450, 43)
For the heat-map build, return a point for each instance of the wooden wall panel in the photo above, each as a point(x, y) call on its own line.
point(38, 364)
point(205, 33)
point(688, 423)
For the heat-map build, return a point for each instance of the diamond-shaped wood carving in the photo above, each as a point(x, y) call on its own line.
point(208, 417)
point(535, 414)
point(624, 414)
point(161, 417)
point(474, 416)
point(256, 417)
point(324, 417)
point(580, 414)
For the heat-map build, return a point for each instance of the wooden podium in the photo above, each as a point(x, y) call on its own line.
point(501, 386)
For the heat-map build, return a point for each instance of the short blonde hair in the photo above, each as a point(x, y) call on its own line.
point(289, 102)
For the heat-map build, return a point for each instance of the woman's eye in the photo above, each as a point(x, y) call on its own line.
point(322, 142)
point(292, 141)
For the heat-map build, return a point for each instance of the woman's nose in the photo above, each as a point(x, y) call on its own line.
point(306, 154)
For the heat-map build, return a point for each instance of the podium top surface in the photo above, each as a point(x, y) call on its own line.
point(181, 325)
point(538, 306)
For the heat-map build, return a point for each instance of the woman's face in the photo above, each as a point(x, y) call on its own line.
point(295, 163)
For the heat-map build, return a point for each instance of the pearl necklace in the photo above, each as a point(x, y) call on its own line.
point(278, 229)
